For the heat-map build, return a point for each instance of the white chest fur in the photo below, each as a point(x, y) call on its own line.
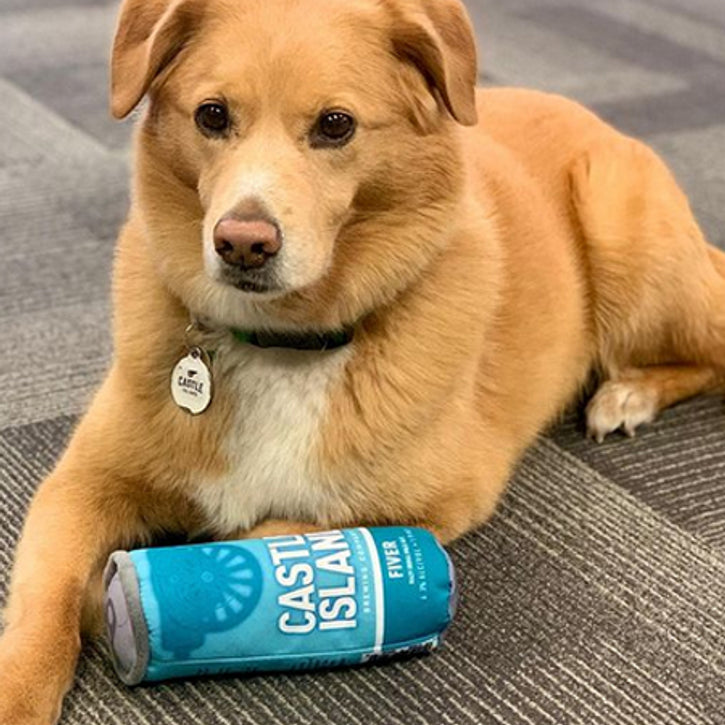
point(281, 398)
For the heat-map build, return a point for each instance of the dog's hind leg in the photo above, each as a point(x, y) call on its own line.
point(657, 288)
point(632, 396)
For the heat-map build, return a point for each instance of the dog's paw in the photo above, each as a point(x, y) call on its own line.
point(620, 405)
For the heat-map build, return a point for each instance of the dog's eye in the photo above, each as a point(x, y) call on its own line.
point(212, 119)
point(333, 128)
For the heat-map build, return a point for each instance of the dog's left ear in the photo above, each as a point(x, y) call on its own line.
point(437, 37)
point(150, 34)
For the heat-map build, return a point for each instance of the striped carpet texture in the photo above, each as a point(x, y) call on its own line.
point(597, 594)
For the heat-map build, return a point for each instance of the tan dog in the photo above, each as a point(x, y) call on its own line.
point(312, 171)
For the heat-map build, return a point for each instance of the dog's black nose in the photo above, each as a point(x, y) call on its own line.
point(247, 243)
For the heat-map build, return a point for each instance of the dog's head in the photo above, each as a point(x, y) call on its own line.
point(298, 161)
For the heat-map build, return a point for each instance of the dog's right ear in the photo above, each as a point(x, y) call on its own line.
point(150, 34)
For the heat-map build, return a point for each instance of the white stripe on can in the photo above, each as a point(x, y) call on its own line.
point(379, 598)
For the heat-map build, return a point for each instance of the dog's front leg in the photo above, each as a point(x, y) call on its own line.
point(79, 515)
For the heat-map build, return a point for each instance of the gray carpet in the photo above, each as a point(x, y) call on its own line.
point(597, 595)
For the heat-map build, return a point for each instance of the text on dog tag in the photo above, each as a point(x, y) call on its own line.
point(191, 385)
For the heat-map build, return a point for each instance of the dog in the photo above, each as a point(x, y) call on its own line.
point(352, 289)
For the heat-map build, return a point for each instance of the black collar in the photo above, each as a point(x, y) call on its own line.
point(295, 340)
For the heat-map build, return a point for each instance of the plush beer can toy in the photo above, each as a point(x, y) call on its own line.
point(287, 603)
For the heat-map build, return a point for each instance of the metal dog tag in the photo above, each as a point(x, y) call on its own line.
point(191, 385)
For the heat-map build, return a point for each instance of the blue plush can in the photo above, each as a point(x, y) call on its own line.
point(284, 603)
